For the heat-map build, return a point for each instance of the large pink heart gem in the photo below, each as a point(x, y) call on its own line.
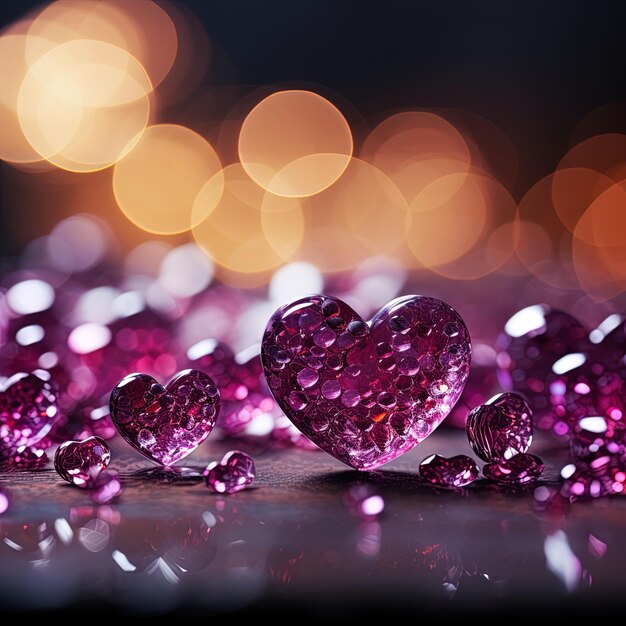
point(366, 392)
point(28, 410)
point(165, 423)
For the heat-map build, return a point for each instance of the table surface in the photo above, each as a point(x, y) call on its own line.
point(291, 542)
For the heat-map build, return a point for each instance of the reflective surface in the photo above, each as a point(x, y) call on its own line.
point(296, 537)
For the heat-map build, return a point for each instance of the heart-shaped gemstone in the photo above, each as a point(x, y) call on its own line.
point(500, 428)
point(28, 410)
point(80, 462)
point(366, 392)
point(165, 423)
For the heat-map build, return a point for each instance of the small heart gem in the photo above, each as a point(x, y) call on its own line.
point(166, 423)
point(500, 428)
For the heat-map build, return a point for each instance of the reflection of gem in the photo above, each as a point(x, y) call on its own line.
point(4, 502)
point(397, 377)
point(80, 462)
point(233, 473)
point(456, 471)
point(500, 428)
point(107, 488)
point(165, 423)
point(520, 469)
point(177, 546)
point(362, 501)
point(28, 410)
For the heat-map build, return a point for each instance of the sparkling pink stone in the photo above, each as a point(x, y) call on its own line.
point(232, 474)
point(454, 472)
point(519, 470)
point(500, 428)
point(166, 423)
point(26, 458)
point(81, 462)
point(28, 410)
point(534, 339)
point(106, 489)
point(380, 387)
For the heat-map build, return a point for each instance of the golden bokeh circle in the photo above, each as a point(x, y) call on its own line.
point(157, 183)
point(295, 143)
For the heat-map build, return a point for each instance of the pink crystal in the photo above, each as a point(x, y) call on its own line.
point(232, 474)
point(26, 458)
point(382, 386)
point(246, 403)
point(363, 502)
point(520, 469)
point(500, 428)
point(456, 471)
point(4, 502)
point(106, 489)
point(166, 423)
point(80, 462)
point(28, 409)
point(142, 342)
point(534, 339)
point(604, 475)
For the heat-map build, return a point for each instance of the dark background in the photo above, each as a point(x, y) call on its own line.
point(534, 68)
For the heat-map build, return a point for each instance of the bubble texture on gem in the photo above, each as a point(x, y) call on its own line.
point(383, 386)
point(166, 423)
point(454, 472)
point(500, 428)
point(232, 474)
point(80, 462)
point(519, 470)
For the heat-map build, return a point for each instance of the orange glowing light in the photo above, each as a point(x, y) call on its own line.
point(83, 104)
point(416, 148)
point(14, 146)
point(295, 143)
point(157, 183)
point(544, 247)
point(363, 213)
point(573, 190)
point(448, 218)
point(602, 153)
point(251, 231)
point(142, 28)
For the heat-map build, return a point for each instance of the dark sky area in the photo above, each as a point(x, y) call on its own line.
point(534, 67)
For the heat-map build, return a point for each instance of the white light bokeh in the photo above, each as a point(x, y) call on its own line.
point(30, 296)
point(525, 321)
point(97, 305)
point(77, 244)
point(295, 280)
point(568, 362)
point(88, 338)
point(186, 271)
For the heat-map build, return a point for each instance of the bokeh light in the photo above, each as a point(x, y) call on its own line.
point(142, 28)
point(156, 185)
point(83, 104)
point(251, 231)
point(363, 213)
point(463, 213)
point(295, 143)
point(416, 148)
